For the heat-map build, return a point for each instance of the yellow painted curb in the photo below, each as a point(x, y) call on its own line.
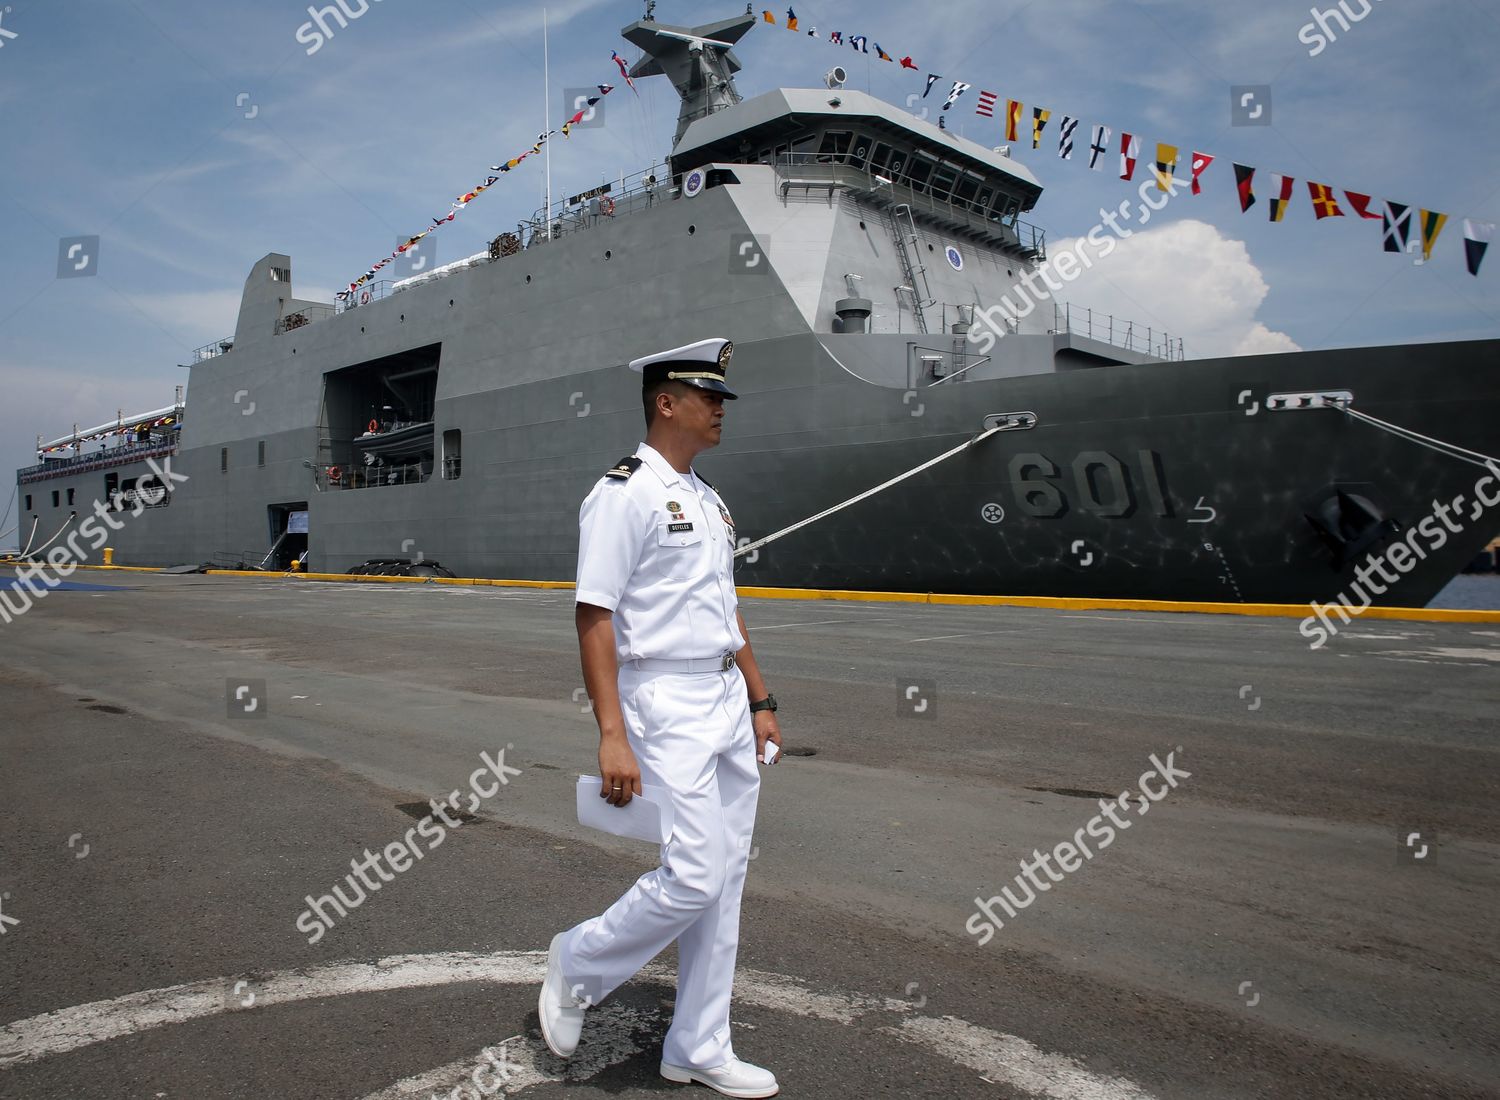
point(1059, 603)
point(1077, 603)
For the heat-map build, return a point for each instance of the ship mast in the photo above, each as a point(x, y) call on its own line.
point(547, 121)
point(698, 61)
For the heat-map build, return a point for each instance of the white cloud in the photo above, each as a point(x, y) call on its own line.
point(1186, 278)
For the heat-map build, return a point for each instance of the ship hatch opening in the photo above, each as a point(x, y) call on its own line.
point(378, 420)
point(289, 530)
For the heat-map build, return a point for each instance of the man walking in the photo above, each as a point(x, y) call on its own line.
point(680, 704)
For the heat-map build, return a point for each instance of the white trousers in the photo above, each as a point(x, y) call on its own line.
point(691, 734)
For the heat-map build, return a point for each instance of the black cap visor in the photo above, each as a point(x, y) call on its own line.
point(713, 385)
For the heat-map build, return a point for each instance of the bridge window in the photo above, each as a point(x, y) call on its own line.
point(942, 182)
point(70, 497)
point(861, 151)
point(919, 173)
point(880, 159)
point(835, 146)
point(56, 498)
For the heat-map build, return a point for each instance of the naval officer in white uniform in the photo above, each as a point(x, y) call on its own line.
point(680, 704)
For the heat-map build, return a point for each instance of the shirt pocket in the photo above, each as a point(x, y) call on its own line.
point(679, 549)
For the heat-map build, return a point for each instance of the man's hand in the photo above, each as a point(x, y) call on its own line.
point(617, 764)
point(766, 729)
point(618, 767)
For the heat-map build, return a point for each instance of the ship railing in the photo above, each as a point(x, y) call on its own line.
point(372, 477)
point(236, 559)
point(370, 292)
point(98, 460)
point(155, 496)
point(213, 348)
point(832, 171)
point(627, 195)
point(1118, 332)
point(307, 315)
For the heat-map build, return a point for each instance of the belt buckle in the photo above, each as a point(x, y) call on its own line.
point(728, 662)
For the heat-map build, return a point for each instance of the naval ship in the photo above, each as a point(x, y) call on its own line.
point(851, 251)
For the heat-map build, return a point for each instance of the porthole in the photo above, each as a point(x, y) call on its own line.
point(528, 280)
point(692, 229)
point(608, 253)
point(861, 225)
point(403, 318)
point(450, 303)
point(929, 248)
point(361, 328)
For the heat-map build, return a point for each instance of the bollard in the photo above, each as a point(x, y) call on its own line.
point(109, 555)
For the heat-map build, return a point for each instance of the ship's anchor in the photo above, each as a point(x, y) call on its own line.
point(1349, 525)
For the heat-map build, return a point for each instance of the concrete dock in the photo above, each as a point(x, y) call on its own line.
point(1306, 911)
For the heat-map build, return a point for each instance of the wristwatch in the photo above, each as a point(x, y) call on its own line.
point(768, 703)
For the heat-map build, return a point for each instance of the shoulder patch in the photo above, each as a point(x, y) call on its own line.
point(625, 467)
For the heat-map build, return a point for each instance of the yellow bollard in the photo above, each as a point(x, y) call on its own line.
point(109, 555)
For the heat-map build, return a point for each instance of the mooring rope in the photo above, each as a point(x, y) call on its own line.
point(931, 462)
point(35, 520)
point(1452, 450)
point(66, 524)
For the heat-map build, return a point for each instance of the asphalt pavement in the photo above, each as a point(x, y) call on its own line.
point(1304, 907)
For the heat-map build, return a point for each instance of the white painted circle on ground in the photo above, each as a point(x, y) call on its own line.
point(997, 1057)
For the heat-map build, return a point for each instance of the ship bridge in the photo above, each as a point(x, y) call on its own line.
point(822, 139)
point(830, 138)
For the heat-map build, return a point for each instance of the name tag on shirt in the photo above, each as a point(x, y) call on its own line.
point(679, 527)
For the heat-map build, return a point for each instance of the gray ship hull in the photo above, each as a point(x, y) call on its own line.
point(1144, 481)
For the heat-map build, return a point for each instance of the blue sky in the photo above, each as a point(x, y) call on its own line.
point(127, 119)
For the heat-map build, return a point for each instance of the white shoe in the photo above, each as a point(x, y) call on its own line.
point(562, 1019)
point(733, 1078)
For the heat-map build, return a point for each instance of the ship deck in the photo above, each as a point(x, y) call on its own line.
point(1263, 931)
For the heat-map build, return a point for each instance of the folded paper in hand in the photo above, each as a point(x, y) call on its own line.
point(647, 816)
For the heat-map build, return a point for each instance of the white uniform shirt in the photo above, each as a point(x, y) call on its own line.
point(657, 549)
